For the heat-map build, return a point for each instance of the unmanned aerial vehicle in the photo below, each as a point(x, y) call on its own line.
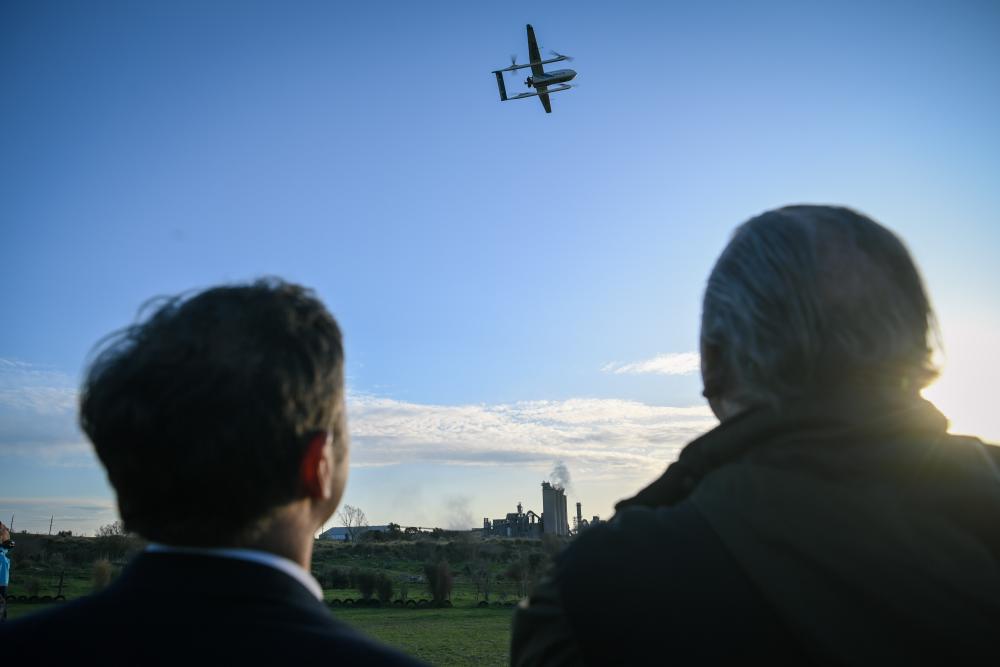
point(543, 82)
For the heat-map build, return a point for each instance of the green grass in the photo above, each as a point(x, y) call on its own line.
point(456, 636)
point(19, 610)
point(461, 635)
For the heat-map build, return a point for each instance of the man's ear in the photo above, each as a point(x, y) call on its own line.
point(311, 474)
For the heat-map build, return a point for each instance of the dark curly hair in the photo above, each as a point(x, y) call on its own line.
point(201, 413)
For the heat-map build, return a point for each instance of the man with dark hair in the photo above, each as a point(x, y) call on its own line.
point(829, 518)
point(220, 421)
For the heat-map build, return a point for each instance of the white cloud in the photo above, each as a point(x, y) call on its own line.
point(600, 438)
point(675, 363)
point(38, 416)
point(80, 515)
point(597, 438)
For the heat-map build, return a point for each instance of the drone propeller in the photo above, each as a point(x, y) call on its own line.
point(513, 60)
point(559, 55)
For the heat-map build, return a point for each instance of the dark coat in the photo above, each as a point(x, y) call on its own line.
point(179, 609)
point(847, 532)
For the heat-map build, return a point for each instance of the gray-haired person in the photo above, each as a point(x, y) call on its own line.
point(829, 518)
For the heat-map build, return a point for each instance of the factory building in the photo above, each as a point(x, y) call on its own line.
point(583, 524)
point(554, 519)
point(515, 524)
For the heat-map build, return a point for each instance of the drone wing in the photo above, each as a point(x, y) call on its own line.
point(533, 56)
point(544, 97)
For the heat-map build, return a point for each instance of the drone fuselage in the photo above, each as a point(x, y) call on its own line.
point(550, 78)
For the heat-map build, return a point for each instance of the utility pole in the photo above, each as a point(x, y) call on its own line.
point(51, 519)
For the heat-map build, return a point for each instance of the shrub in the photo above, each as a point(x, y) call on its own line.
point(32, 587)
point(102, 574)
point(336, 577)
point(365, 581)
point(383, 587)
point(439, 580)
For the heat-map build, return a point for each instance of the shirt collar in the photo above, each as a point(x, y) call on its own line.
point(275, 561)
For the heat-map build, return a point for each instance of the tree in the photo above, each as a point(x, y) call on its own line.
point(114, 529)
point(404, 589)
point(113, 541)
point(523, 571)
point(482, 578)
point(354, 521)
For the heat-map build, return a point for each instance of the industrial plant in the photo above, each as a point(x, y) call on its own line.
point(553, 520)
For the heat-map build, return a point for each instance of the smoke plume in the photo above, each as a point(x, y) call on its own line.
point(560, 475)
point(459, 516)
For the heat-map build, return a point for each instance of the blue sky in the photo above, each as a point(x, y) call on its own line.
point(492, 266)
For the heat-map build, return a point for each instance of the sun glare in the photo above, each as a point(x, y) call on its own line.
point(966, 390)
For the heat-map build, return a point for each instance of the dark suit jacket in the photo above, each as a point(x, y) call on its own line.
point(181, 609)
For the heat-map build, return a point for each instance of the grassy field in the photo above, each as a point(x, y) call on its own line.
point(463, 634)
point(456, 636)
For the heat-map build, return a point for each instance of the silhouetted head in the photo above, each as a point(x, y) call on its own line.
point(808, 301)
point(207, 413)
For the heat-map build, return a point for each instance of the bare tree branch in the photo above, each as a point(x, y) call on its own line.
point(354, 521)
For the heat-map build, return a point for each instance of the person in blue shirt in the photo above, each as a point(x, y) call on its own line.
point(6, 544)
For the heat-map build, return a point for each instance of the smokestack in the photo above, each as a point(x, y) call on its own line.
point(579, 515)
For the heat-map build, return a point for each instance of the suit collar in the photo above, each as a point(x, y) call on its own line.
point(279, 563)
point(203, 576)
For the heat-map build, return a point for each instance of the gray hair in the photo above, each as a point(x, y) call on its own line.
point(806, 300)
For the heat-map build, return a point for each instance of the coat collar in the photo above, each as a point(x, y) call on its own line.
point(850, 418)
